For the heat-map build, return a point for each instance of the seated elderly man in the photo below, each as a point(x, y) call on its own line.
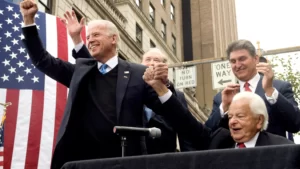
point(248, 120)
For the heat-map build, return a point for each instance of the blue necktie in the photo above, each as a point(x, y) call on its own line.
point(149, 113)
point(102, 69)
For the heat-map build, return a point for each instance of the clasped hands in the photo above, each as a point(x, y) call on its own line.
point(157, 76)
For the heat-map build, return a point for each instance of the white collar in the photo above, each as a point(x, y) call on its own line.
point(253, 82)
point(252, 142)
point(111, 63)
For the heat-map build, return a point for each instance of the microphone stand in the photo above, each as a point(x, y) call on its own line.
point(123, 144)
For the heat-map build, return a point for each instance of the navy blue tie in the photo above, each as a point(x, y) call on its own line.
point(102, 69)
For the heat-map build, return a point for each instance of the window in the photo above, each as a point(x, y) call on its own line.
point(152, 14)
point(43, 5)
point(139, 35)
point(172, 12)
point(78, 15)
point(152, 44)
point(174, 44)
point(138, 3)
point(163, 29)
point(163, 3)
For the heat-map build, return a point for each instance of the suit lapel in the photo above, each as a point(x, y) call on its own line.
point(122, 82)
point(259, 90)
point(261, 140)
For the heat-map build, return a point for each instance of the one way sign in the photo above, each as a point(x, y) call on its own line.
point(222, 74)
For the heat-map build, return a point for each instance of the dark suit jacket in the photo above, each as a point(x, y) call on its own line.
point(284, 115)
point(167, 141)
point(202, 137)
point(131, 94)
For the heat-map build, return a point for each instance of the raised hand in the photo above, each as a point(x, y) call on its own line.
point(28, 9)
point(161, 72)
point(157, 84)
point(267, 81)
point(149, 76)
point(74, 27)
point(227, 95)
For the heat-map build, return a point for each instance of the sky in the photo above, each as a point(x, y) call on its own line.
point(275, 23)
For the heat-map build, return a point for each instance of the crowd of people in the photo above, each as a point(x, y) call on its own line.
point(106, 91)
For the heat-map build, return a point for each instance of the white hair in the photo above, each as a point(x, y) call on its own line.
point(111, 28)
point(256, 104)
point(163, 56)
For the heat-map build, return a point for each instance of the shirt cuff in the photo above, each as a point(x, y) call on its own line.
point(78, 46)
point(222, 111)
point(24, 26)
point(165, 97)
point(273, 98)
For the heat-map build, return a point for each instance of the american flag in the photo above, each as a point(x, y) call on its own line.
point(2, 140)
point(38, 102)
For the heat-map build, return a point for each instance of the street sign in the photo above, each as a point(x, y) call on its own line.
point(222, 74)
point(185, 77)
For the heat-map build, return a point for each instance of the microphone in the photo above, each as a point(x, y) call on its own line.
point(137, 131)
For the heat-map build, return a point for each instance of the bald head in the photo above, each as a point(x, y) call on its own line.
point(152, 56)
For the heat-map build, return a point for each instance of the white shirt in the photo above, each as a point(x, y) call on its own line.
point(253, 85)
point(113, 62)
point(251, 143)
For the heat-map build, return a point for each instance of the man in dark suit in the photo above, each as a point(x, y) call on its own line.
point(264, 60)
point(278, 95)
point(248, 118)
point(104, 91)
point(167, 141)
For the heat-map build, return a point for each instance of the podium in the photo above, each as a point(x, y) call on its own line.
point(271, 157)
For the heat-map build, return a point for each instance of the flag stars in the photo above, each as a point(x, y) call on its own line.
point(37, 16)
point(27, 56)
point(22, 50)
point(13, 55)
point(1, 25)
point(21, 23)
point(15, 42)
point(10, 8)
point(7, 34)
point(15, 28)
point(7, 48)
point(6, 62)
point(38, 27)
point(16, 15)
point(12, 70)
point(9, 21)
point(20, 64)
point(5, 78)
point(1, 12)
point(27, 71)
point(35, 79)
point(20, 78)
point(21, 37)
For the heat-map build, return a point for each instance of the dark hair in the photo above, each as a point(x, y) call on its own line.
point(263, 59)
point(239, 45)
